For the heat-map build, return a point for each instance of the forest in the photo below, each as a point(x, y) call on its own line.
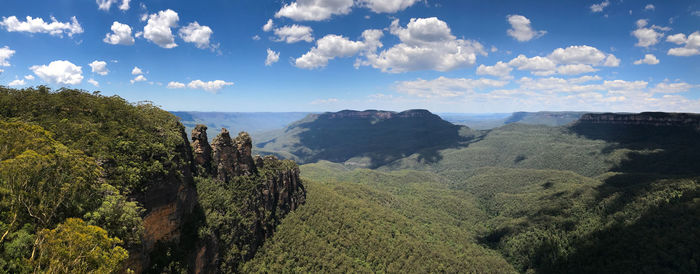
point(81, 174)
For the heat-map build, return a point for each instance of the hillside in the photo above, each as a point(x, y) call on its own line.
point(370, 138)
point(613, 193)
point(94, 184)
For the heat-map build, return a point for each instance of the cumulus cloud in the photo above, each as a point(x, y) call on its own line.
point(93, 82)
point(136, 71)
point(194, 33)
point(677, 87)
point(318, 10)
point(5, 54)
point(691, 44)
point(29, 77)
point(99, 67)
point(648, 59)
point(121, 35)
point(107, 4)
point(158, 29)
point(139, 78)
point(426, 44)
point(314, 10)
point(500, 69)
point(521, 29)
point(37, 25)
point(294, 33)
point(324, 101)
point(59, 72)
point(649, 7)
point(569, 61)
point(272, 57)
point(174, 85)
point(268, 26)
point(16, 82)
point(443, 87)
point(327, 48)
point(599, 7)
point(210, 86)
point(648, 36)
point(387, 6)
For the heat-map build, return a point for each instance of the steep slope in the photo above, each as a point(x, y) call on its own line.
point(377, 136)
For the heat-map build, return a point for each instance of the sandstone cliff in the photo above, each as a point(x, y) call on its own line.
point(656, 119)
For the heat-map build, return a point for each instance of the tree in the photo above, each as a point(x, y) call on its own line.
point(76, 247)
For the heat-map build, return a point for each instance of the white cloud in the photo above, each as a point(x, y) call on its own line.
point(37, 25)
point(16, 82)
point(174, 85)
point(600, 7)
point(575, 69)
point(210, 86)
point(158, 29)
point(139, 78)
point(59, 72)
point(294, 33)
point(29, 77)
point(194, 33)
point(691, 47)
point(256, 37)
point(387, 6)
point(443, 87)
point(268, 26)
point(314, 10)
point(99, 67)
point(107, 4)
point(677, 87)
point(272, 57)
point(121, 35)
point(93, 82)
point(648, 59)
point(324, 101)
point(327, 48)
point(521, 29)
point(5, 54)
point(568, 61)
point(500, 69)
point(649, 7)
point(426, 44)
point(136, 71)
point(648, 36)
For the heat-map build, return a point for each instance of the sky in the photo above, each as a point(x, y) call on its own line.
point(327, 55)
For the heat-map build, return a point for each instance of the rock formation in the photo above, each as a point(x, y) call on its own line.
point(201, 149)
point(656, 119)
point(232, 157)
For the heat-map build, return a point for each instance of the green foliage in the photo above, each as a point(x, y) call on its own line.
point(135, 144)
point(76, 247)
point(122, 218)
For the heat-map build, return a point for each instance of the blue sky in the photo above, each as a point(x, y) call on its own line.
point(328, 55)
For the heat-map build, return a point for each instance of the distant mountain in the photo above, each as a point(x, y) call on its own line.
point(371, 137)
point(251, 122)
point(547, 118)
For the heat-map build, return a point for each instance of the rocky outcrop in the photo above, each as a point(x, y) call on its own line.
point(169, 202)
point(656, 119)
point(232, 157)
point(281, 192)
point(201, 149)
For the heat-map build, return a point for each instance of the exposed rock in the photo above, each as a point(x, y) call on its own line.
point(169, 201)
point(282, 192)
point(644, 119)
point(201, 149)
point(244, 163)
point(225, 156)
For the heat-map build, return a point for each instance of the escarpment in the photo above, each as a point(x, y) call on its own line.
point(656, 119)
point(244, 198)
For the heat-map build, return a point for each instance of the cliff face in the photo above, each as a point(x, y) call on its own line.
point(168, 203)
point(276, 190)
point(201, 149)
point(656, 119)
